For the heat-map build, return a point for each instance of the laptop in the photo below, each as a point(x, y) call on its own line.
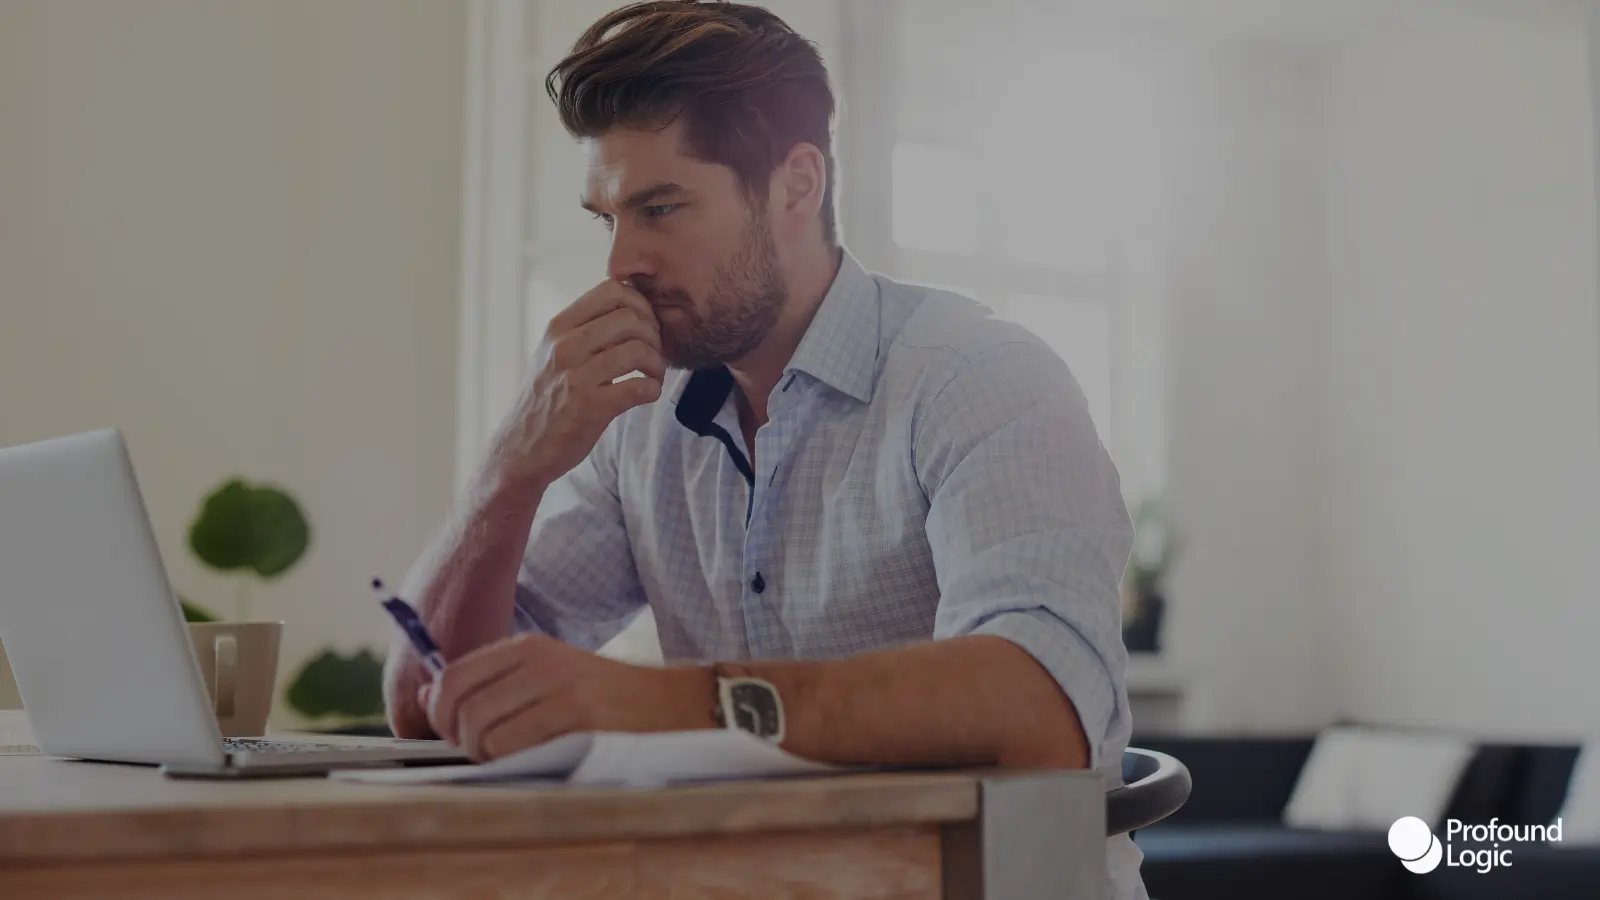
point(96, 637)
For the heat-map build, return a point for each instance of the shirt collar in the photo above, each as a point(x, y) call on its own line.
point(839, 348)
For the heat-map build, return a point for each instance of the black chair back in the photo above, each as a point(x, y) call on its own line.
point(1156, 786)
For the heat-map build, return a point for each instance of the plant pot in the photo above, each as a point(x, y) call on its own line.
point(1142, 634)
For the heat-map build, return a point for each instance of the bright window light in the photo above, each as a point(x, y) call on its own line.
point(935, 199)
point(1066, 236)
point(1081, 333)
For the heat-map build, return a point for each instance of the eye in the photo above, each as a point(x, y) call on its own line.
point(604, 218)
point(657, 211)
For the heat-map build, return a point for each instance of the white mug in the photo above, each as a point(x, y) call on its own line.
point(239, 662)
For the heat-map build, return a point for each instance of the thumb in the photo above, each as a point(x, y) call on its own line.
point(425, 695)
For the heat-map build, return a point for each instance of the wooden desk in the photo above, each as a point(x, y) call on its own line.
point(92, 830)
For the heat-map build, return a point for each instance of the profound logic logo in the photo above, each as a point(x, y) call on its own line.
point(1421, 851)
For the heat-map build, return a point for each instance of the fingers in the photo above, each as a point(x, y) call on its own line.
point(603, 298)
point(620, 325)
point(460, 680)
point(636, 302)
point(529, 727)
point(614, 362)
point(625, 395)
point(596, 302)
point(510, 695)
point(498, 700)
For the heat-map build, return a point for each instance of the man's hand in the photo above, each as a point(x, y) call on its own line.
point(569, 398)
point(526, 690)
point(465, 582)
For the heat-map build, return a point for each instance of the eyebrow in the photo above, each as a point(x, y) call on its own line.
point(641, 197)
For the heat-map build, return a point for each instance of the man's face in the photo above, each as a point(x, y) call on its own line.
point(687, 237)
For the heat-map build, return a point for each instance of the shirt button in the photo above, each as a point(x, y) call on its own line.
point(758, 584)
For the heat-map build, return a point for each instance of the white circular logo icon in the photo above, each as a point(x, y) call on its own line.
point(1412, 840)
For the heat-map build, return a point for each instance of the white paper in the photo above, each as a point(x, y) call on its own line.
point(619, 759)
point(16, 735)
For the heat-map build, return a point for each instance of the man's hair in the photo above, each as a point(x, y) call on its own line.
point(747, 86)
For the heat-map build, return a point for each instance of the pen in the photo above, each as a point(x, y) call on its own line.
point(411, 624)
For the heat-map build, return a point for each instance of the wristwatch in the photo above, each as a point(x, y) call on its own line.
point(748, 704)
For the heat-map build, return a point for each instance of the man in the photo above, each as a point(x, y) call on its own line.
point(890, 510)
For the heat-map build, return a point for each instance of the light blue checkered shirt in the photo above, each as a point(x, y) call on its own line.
point(927, 471)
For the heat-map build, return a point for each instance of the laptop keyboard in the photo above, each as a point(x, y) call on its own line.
point(256, 745)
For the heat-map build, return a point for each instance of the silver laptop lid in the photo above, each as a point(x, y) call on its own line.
point(96, 639)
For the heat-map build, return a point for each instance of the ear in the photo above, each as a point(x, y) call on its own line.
point(799, 185)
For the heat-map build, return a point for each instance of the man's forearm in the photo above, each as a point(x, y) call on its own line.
point(976, 700)
point(464, 586)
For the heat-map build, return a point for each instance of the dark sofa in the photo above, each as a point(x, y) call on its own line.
point(1229, 840)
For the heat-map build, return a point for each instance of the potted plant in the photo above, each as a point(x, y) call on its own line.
point(259, 533)
point(1156, 547)
point(254, 533)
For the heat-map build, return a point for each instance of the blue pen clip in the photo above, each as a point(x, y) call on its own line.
point(411, 624)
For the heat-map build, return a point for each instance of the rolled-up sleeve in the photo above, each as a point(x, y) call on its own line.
point(1027, 525)
point(578, 581)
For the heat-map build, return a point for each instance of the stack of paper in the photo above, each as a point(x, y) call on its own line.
point(612, 758)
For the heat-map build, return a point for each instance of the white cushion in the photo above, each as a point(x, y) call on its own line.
point(1580, 812)
point(1366, 778)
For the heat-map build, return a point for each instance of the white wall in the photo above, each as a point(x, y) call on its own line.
point(233, 230)
point(1463, 473)
point(1380, 319)
point(1244, 280)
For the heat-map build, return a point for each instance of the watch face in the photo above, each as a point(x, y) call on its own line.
point(754, 708)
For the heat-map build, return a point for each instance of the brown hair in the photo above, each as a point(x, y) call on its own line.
point(746, 84)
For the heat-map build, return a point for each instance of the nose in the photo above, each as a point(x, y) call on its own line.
point(630, 257)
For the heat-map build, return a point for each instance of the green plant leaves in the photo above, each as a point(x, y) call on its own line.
point(240, 526)
point(1156, 547)
point(333, 685)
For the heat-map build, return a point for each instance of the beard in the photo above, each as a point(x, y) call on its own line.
point(742, 305)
